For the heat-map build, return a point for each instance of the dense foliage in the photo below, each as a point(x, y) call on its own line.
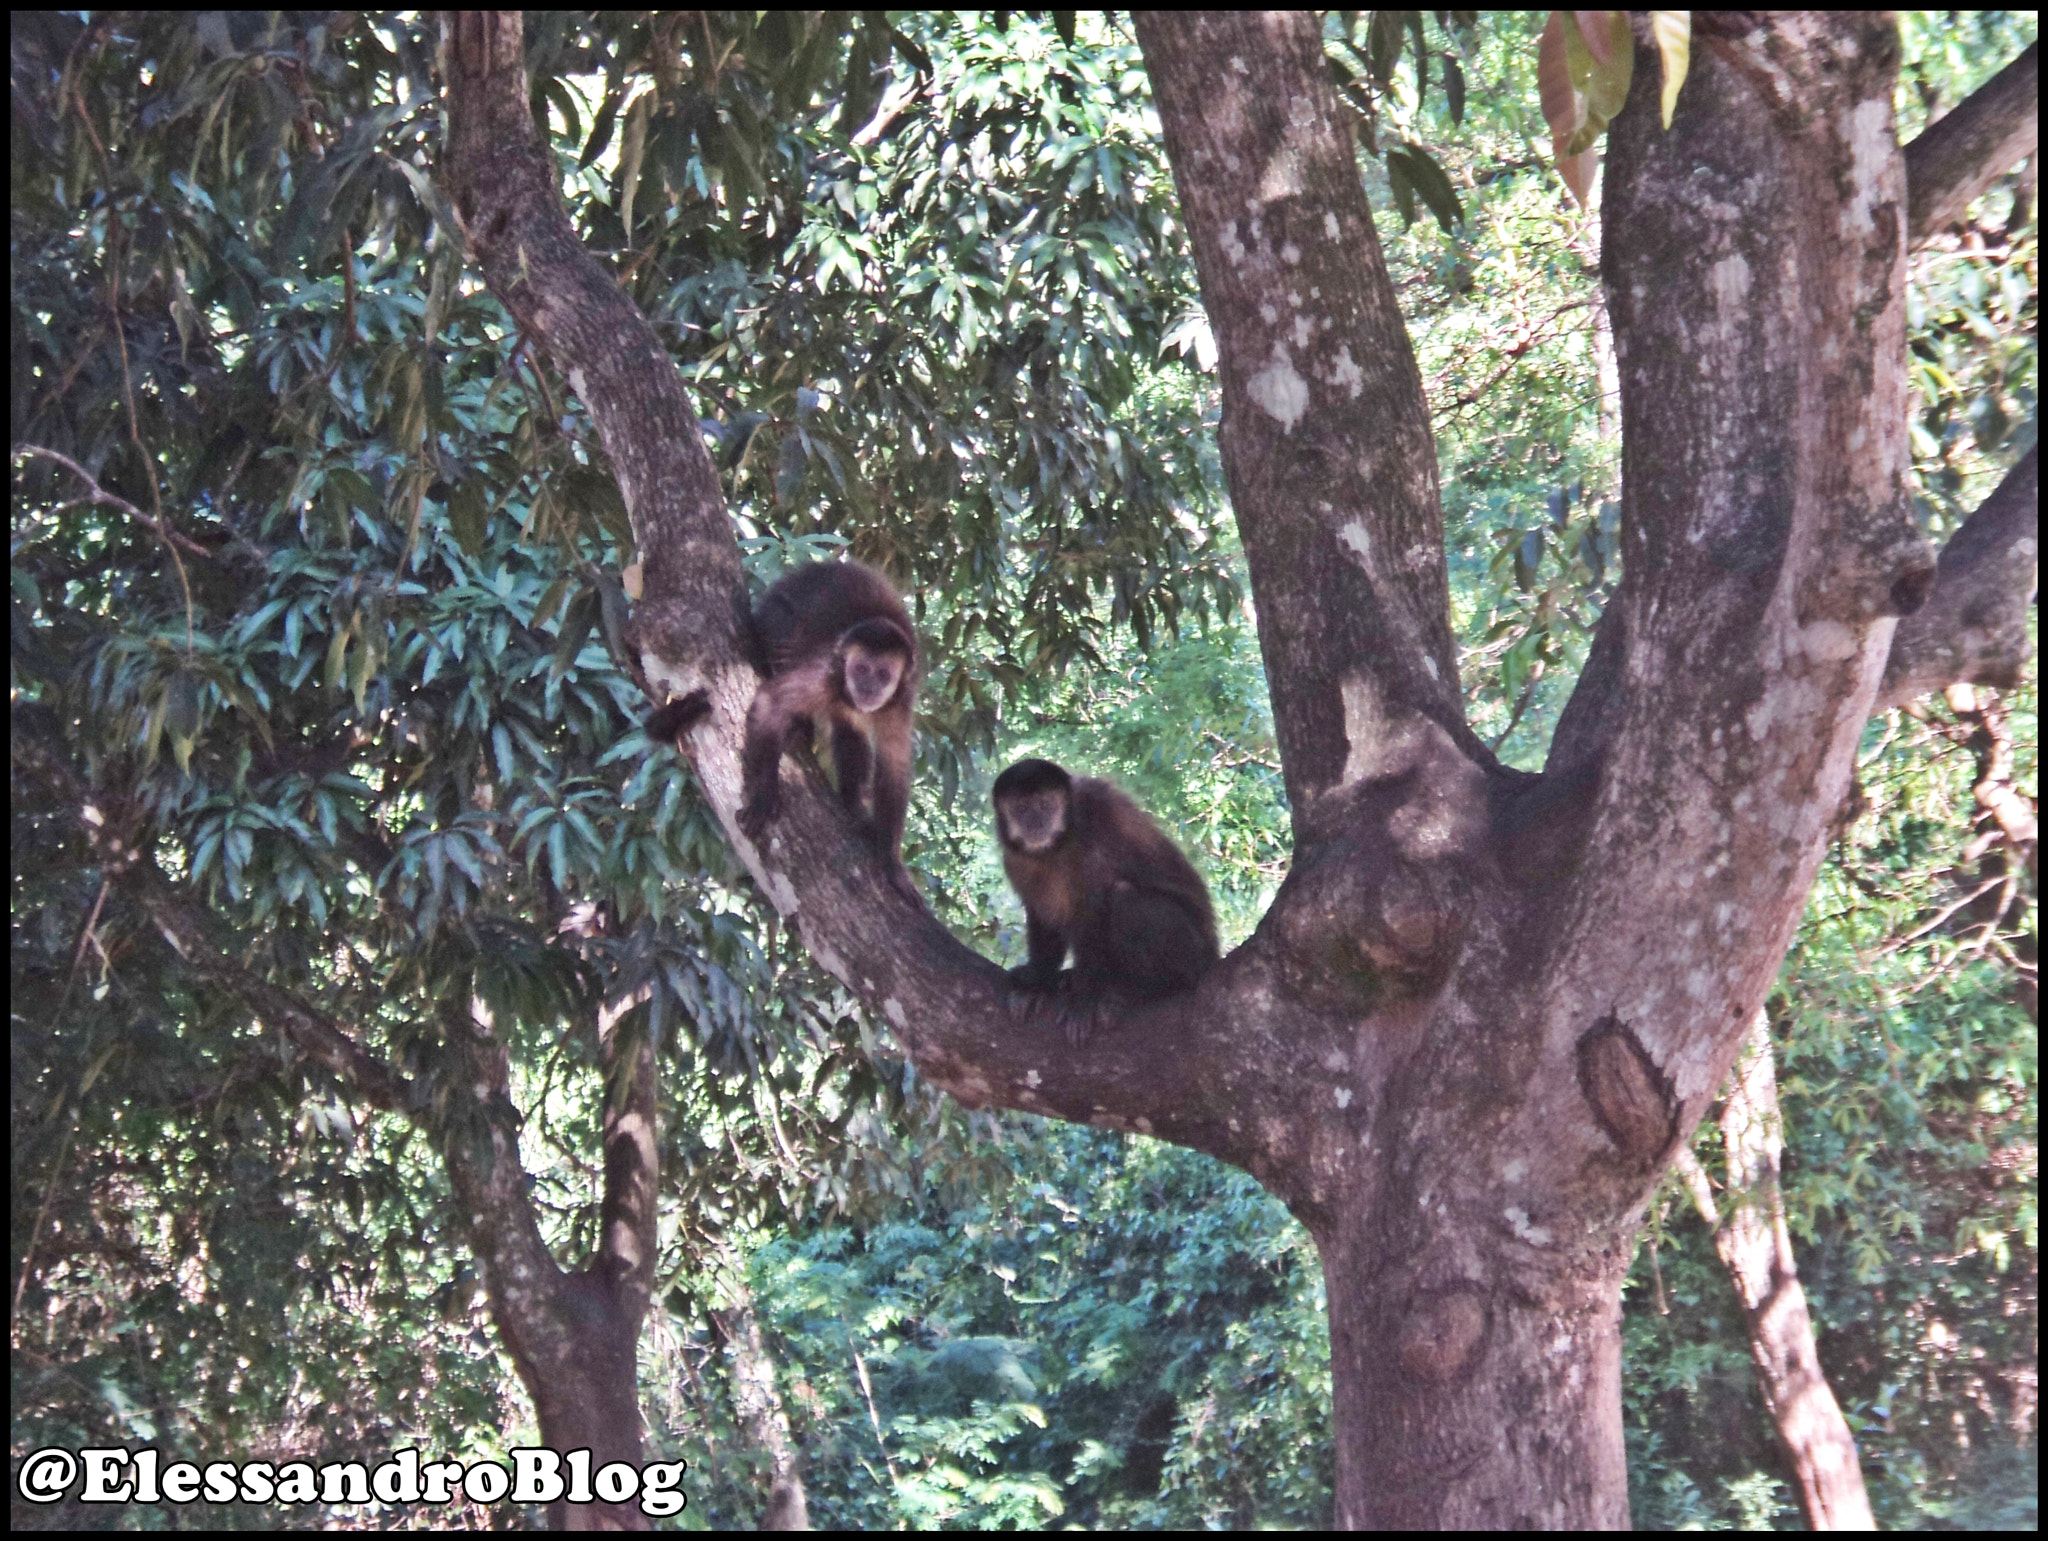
point(333, 629)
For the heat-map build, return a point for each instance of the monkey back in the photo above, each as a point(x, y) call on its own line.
point(811, 607)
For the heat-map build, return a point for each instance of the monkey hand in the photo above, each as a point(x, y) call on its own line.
point(667, 724)
point(758, 812)
point(1025, 992)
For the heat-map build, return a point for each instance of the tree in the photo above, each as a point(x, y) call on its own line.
point(387, 878)
point(1486, 1009)
point(1471, 1031)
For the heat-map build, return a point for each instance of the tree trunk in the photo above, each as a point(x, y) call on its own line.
point(573, 1337)
point(759, 1407)
point(1562, 971)
point(1756, 1248)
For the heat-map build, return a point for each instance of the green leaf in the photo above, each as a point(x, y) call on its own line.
point(1608, 81)
point(550, 601)
point(337, 651)
point(469, 515)
point(632, 153)
point(1431, 184)
point(1398, 177)
point(614, 613)
point(565, 102)
point(362, 664)
point(577, 622)
point(601, 129)
point(181, 706)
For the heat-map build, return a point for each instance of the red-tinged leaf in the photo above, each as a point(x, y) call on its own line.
point(1607, 86)
point(1564, 108)
point(1593, 27)
point(1577, 171)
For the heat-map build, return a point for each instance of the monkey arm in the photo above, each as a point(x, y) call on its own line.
point(1046, 946)
point(779, 718)
point(892, 775)
point(857, 765)
point(891, 788)
point(852, 762)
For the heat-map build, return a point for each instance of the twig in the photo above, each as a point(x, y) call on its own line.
point(156, 497)
point(28, 1255)
point(1521, 706)
point(1969, 898)
point(860, 1371)
point(100, 494)
point(1244, 756)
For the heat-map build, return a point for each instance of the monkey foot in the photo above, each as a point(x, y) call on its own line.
point(1083, 1020)
point(899, 879)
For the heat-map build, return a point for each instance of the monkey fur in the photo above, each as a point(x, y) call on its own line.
point(1099, 877)
point(838, 646)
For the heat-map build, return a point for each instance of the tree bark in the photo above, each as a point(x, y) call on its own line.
point(759, 1407)
point(1974, 627)
point(1754, 1244)
point(574, 1337)
point(1486, 1008)
point(1962, 154)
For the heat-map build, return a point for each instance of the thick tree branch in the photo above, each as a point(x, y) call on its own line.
point(627, 1218)
point(1973, 628)
point(506, 191)
point(1727, 686)
point(1980, 570)
point(1976, 144)
point(759, 1405)
point(1184, 1069)
point(1326, 438)
point(572, 1335)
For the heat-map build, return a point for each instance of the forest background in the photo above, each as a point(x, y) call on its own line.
point(342, 610)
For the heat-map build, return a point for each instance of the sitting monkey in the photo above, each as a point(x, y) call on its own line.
point(1098, 876)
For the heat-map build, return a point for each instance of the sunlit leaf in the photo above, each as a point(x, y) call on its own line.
point(1673, 32)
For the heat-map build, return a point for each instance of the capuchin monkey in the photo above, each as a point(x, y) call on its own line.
point(1097, 876)
point(838, 648)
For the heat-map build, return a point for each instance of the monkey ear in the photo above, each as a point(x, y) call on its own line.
point(672, 721)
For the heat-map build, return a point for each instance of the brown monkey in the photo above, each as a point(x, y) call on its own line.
point(838, 647)
point(1098, 876)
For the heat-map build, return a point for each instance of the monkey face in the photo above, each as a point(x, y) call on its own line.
point(871, 677)
point(1033, 822)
